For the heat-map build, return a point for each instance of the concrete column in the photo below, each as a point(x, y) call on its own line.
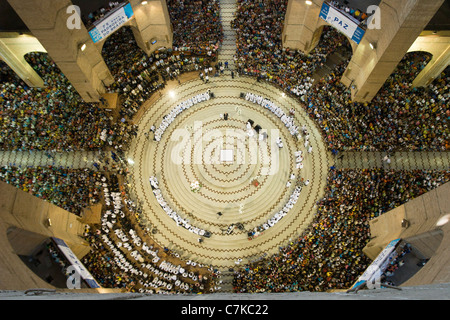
point(26, 221)
point(300, 25)
point(401, 24)
point(48, 22)
point(152, 23)
point(438, 44)
point(13, 48)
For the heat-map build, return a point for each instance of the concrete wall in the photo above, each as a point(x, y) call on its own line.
point(423, 233)
point(24, 226)
point(13, 48)
point(152, 23)
point(48, 22)
point(438, 44)
point(402, 23)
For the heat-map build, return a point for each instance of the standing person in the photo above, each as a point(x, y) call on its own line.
point(387, 160)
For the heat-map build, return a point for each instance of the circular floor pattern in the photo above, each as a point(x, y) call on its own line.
point(246, 179)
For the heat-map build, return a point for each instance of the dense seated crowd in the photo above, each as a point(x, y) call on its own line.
point(196, 25)
point(124, 256)
point(55, 117)
point(73, 190)
point(260, 52)
point(328, 255)
point(399, 118)
point(138, 76)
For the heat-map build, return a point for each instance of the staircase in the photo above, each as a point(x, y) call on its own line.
point(228, 49)
point(226, 286)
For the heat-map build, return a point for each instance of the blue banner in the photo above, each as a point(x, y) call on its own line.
point(342, 22)
point(111, 23)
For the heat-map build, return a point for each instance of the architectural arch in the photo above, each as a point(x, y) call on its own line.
point(437, 44)
point(45, 67)
point(318, 33)
point(115, 58)
point(13, 48)
point(410, 67)
point(337, 48)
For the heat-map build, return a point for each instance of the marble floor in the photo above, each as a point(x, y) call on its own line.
point(189, 152)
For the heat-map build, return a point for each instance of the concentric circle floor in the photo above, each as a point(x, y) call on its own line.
point(206, 165)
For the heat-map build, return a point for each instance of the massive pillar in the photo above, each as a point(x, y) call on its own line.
point(381, 48)
point(438, 44)
point(48, 22)
point(380, 51)
point(300, 25)
point(153, 27)
point(25, 222)
point(13, 48)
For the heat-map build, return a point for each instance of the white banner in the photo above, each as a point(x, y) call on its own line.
point(76, 263)
point(112, 23)
point(341, 22)
point(378, 265)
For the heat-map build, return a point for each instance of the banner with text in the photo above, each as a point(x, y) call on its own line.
point(74, 261)
point(377, 265)
point(341, 22)
point(111, 23)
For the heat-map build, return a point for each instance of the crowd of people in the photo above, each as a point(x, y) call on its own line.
point(260, 52)
point(399, 118)
point(8, 76)
point(124, 256)
point(55, 117)
point(70, 189)
point(328, 255)
point(197, 27)
point(139, 76)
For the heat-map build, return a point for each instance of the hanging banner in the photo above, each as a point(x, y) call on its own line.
point(111, 23)
point(74, 261)
point(378, 265)
point(342, 22)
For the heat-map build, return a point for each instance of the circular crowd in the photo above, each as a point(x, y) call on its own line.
point(329, 254)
